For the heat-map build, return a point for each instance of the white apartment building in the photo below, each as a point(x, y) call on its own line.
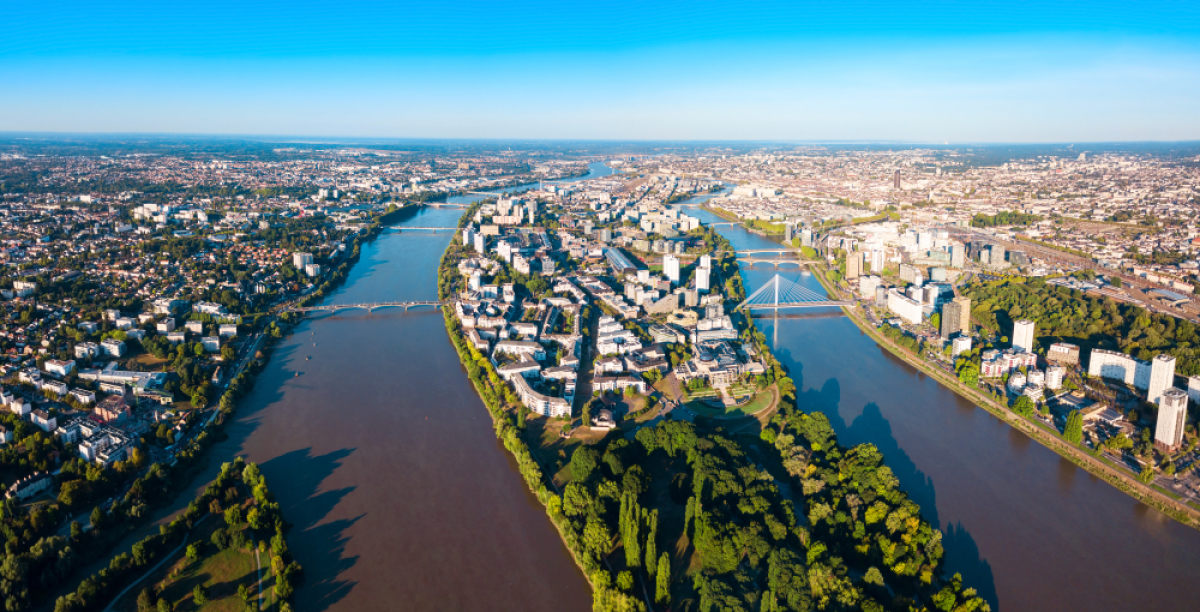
point(1162, 377)
point(703, 279)
point(1119, 366)
point(867, 285)
point(961, 345)
point(1172, 412)
point(544, 405)
point(1023, 335)
point(903, 306)
point(113, 347)
point(671, 268)
point(1054, 377)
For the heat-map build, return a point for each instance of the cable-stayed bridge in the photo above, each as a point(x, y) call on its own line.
point(780, 293)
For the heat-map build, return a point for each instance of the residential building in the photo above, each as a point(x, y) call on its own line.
point(1162, 377)
point(59, 368)
point(42, 419)
point(113, 348)
point(956, 317)
point(703, 280)
point(30, 486)
point(86, 350)
point(1063, 353)
point(904, 307)
point(539, 403)
point(1022, 339)
point(961, 345)
point(854, 265)
point(1054, 377)
point(671, 268)
point(1172, 413)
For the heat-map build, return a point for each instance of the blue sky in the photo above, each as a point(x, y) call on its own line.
point(870, 71)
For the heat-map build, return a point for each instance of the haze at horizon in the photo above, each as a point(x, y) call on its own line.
point(943, 72)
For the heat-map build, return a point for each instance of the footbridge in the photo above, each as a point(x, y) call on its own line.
point(780, 293)
point(368, 306)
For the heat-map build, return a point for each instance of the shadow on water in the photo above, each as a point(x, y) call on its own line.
point(961, 550)
point(302, 475)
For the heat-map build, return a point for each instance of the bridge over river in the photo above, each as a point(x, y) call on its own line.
point(368, 306)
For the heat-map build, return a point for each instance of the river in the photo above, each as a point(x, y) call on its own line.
point(384, 459)
point(1027, 528)
point(595, 170)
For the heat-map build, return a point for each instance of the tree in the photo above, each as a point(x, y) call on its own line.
point(199, 595)
point(1073, 432)
point(1147, 474)
point(662, 580)
point(1023, 406)
point(583, 463)
point(147, 600)
point(625, 581)
point(193, 552)
point(164, 605)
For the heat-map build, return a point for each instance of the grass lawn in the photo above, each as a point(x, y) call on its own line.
point(220, 571)
point(664, 387)
point(148, 360)
point(760, 402)
point(550, 449)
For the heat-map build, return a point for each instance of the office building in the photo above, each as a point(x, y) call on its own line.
point(956, 317)
point(1162, 377)
point(671, 268)
point(1172, 412)
point(1022, 339)
point(703, 280)
point(896, 180)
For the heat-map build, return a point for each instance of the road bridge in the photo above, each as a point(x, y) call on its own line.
point(368, 306)
point(428, 229)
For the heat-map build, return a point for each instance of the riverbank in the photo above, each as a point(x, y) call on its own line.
point(1124, 482)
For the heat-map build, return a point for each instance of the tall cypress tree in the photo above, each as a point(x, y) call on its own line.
point(662, 582)
point(651, 545)
point(630, 529)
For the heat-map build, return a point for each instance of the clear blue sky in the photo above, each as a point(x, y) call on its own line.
point(931, 72)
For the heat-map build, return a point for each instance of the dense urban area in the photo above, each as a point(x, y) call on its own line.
point(609, 334)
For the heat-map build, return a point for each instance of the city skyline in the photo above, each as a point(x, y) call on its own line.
point(933, 74)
